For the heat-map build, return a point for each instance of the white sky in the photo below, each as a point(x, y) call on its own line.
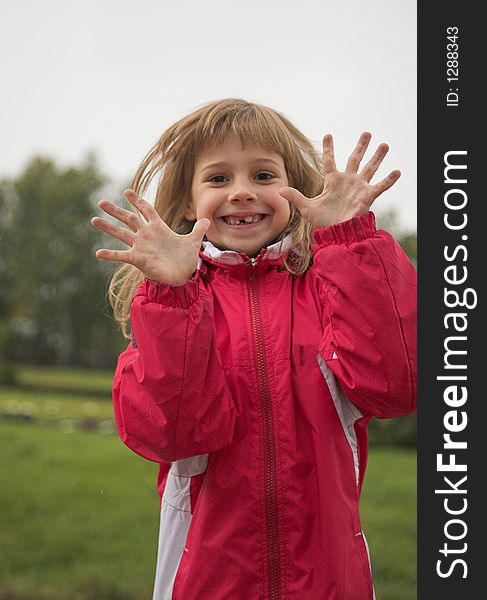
point(111, 75)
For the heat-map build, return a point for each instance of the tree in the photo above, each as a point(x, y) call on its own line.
point(53, 285)
point(407, 239)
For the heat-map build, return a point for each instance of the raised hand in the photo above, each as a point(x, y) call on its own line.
point(345, 194)
point(154, 248)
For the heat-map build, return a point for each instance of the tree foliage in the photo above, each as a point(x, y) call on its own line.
point(53, 288)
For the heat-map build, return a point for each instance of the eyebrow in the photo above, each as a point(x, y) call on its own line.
point(222, 163)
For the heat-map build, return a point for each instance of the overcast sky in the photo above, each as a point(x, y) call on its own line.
point(110, 75)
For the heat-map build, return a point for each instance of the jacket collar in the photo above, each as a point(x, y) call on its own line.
point(231, 257)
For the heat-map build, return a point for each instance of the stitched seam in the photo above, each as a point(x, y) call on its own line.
point(364, 561)
point(128, 362)
point(403, 337)
point(327, 287)
point(175, 507)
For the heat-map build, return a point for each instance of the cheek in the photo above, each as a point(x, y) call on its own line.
point(206, 206)
point(214, 234)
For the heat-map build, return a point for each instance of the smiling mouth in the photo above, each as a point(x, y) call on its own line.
point(242, 219)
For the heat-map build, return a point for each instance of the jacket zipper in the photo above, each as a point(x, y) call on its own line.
point(272, 516)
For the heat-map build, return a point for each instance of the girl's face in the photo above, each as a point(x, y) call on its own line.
point(237, 189)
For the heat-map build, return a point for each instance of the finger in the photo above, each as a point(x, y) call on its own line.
point(120, 233)
point(145, 208)
point(386, 183)
point(200, 228)
point(357, 155)
point(115, 255)
point(329, 165)
point(371, 167)
point(121, 214)
point(295, 197)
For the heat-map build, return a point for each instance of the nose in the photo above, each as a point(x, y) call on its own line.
point(242, 194)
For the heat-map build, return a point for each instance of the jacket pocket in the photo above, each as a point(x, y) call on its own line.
point(357, 573)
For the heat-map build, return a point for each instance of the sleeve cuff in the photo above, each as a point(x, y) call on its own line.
point(355, 229)
point(182, 295)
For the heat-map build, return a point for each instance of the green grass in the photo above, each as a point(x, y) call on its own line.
point(46, 405)
point(65, 398)
point(388, 510)
point(78, 516)
point(75, 379)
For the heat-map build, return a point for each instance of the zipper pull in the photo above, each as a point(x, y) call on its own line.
point(252, 263)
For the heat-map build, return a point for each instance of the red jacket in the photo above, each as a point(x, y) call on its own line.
point(258, 386)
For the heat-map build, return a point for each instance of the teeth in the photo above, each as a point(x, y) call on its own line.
point(243, 220)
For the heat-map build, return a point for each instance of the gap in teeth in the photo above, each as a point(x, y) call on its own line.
point(243, 220)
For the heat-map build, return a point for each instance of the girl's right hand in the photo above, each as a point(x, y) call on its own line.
point(154, 248)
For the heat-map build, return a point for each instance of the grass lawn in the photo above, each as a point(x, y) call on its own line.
point(78, 516)
point(388, 511)
point(76, 379)
point(62, 398)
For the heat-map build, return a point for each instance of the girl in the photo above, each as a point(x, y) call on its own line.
point(269, 322)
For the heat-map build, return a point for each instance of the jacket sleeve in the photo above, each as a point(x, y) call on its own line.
point(170, 396)
point(368, 290)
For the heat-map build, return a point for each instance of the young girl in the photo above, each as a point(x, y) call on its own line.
point(269, 322)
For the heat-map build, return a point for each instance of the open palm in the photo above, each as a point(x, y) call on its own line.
point(154, 248)
point(345, 194)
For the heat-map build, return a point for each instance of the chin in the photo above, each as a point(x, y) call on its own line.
point(253, 254)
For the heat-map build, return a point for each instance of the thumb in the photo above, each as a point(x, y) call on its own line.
point(295, 197)
point(200, 228)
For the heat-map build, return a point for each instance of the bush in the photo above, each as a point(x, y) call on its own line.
point(394, 432)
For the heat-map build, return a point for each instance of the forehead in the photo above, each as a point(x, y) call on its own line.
point(232, 149)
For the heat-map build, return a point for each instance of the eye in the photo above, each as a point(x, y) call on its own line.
point(264, 176)
point(217, 179)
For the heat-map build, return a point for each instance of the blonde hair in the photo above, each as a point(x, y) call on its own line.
point(173, 158)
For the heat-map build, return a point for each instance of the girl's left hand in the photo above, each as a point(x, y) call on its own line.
point(345, 194)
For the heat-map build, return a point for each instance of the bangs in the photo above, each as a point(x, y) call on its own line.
point(253, 125)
